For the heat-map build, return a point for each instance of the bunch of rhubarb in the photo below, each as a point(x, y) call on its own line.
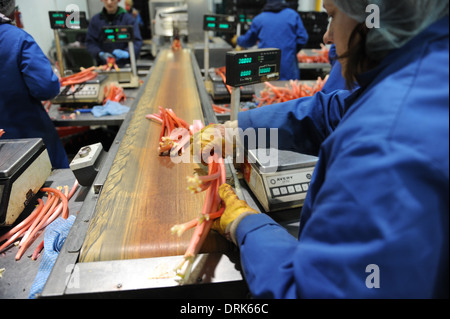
point(42, 216)
point(320, 56)
point(211, 211)
point(80, 77)
point(175, 132)
point(114, 92)
point(272, 94)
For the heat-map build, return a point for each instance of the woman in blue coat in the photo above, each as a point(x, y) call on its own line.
point(280, 27)
point(26, 79)
point(375, 223)
point(112, 14)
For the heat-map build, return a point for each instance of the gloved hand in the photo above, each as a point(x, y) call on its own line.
point(105, 55)
point(214, 138)
point(234, 40)
point(121, 54)
point(235, 211)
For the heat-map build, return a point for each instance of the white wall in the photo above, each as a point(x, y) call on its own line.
point(36, 21)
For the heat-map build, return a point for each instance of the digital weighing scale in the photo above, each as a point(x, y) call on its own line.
point(24, 167)
point(216, 22)
point(90, 92)
point(126, 77)
point(60, 20)
point(250, 67)
point(278, 179)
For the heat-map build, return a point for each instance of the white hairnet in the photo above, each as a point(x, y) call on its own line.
point(400, 20)
point(7, 7)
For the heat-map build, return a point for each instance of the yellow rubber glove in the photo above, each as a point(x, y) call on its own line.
point(214, 138)
point(234, 40)
point(235, 211)
point(208, 141)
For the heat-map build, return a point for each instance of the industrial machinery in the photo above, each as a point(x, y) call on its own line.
point(166, 15)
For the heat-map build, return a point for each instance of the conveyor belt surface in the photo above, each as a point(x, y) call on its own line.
point(145, 194)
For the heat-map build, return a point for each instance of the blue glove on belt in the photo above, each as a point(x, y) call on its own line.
point(121, 54)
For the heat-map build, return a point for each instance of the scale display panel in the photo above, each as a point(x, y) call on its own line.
point(252, 66)
point(68, 20)
point(221, 23)
point(118, 34)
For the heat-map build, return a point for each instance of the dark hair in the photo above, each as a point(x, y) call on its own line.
point(358, 60)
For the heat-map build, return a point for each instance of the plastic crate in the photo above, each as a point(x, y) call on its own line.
point(316, 24)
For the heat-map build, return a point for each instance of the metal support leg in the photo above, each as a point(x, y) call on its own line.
point(206, 56)
point(235, 103)
point(132, 58)
point(59, 54)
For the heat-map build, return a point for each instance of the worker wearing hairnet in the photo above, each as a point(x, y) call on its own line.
point(375, 222)
point(26, 79)
point(278, 26)
point(111, 15)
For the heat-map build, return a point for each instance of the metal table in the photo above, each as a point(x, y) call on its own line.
point(61, 117)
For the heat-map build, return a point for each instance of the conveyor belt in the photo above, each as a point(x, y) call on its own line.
point(145, 194)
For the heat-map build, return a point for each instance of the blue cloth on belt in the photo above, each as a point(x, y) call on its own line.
point(55, 236)
point(110, 108)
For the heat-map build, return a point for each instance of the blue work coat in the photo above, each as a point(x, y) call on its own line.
point(26, 79)
point(94, 37)
point(283, 30)
point(375, 222)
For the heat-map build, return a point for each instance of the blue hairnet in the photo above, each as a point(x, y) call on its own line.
point(7, 7)
point(400, 20)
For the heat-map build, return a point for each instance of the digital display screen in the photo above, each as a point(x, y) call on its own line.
point(252, 66)
point(67, 20)
point(245, 60)
point(267, 69)
point(219, 22)
point(118, 34)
